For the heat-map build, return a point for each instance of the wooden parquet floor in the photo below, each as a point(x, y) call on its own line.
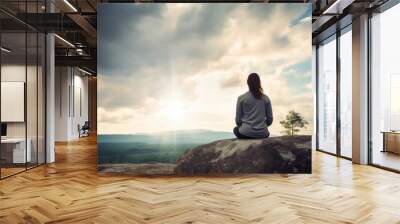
point(71, 191)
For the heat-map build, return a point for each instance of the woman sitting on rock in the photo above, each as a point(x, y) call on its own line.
point(253, 111)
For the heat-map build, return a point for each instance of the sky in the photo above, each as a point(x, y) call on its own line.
point(180, 66)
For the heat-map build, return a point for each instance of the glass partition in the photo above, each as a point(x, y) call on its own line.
point(15, 151)
point(327, 96)
point(31, 99)
point(346, 93)
point(385, 89)
point(22, 78)
point(41, 109)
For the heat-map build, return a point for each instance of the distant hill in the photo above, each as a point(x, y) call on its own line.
point(162, 147)
point(181, 136)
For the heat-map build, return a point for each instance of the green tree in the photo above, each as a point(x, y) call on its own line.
point(294, 121)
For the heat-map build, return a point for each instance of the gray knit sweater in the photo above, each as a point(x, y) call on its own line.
point(253, 116)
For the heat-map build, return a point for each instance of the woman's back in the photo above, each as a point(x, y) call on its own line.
point(253, 116)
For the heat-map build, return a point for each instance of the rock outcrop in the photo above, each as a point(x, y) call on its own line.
point(285, 154)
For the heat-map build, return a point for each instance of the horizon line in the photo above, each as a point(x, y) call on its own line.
point(160, 132)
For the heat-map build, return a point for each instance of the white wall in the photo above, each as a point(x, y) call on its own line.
point(12, 73)
point(71, 87)
point(16, 73)
point(80, 109)
point(33, 127)
point(62, 82)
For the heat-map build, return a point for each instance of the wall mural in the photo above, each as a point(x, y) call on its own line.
point(173, 83)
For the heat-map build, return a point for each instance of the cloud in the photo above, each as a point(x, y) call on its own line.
point(299, 75)
point(303, 17)
point(203, 21)
point(232, 81)
point(306, 19)
point(114, 38)
point(114, 116)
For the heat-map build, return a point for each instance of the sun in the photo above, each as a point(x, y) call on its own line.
point(174, 110)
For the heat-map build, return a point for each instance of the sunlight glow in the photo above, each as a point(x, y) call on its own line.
point(174, 110)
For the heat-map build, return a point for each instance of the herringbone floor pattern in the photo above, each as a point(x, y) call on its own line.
point(71, 191)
